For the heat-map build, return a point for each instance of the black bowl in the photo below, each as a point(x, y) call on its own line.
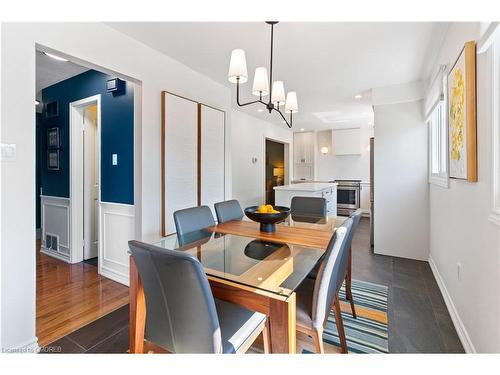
point(267, 221)
point(260, 250)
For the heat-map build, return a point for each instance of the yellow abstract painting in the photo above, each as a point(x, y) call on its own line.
point(461, 116)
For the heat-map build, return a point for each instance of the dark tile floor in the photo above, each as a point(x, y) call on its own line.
point(418, 318)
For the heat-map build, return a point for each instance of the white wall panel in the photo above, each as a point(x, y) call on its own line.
point(181, 129)
point(212, 136)
point(117, 228)
point(55, 214)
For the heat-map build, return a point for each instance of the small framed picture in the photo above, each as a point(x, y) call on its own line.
point(53, 160)
point(53, 138)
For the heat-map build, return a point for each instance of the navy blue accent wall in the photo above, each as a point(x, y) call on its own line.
point(117, 136)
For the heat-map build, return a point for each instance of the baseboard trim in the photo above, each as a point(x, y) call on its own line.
point(54, 254)
point(455, 317)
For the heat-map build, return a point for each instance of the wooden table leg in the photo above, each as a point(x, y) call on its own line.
point(283, 326)
point(137, 322)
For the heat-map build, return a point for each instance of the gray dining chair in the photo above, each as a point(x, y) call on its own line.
point(356, 217)
point(193, 219)
point(228, 210)
point(182, 315)
point(315, 298)
point(314, 206)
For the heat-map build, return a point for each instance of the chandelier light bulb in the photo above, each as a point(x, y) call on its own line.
point(260, 82)
point(278, 94)
point(238, 67)
point(291, 105)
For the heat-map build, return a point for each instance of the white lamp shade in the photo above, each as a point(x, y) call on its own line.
point(278, 94)
point(260, 82)
point(291, 102)
point(238, 66)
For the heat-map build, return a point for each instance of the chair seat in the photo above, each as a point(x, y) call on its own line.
point(304, 298)
point(238, 325)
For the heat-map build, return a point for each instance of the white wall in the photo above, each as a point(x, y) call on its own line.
point(459, 228)
point(401, 190)
point(357, 167)
point(117, 53)
point(247, 141)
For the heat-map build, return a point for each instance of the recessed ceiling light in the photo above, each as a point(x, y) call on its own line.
point(54, 57)
point(301, 129)
point(37, 102)
point(358, 96)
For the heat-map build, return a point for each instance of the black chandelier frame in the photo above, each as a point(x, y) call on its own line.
point(269, 105)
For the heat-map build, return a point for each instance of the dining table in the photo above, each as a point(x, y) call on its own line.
point(256, 270)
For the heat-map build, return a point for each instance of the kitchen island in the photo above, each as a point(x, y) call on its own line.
point(285, 193)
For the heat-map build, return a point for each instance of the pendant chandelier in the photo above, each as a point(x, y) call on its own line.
point(261, 85)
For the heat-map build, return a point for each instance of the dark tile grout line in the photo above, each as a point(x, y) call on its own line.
point(74, 342)
point(106, 339)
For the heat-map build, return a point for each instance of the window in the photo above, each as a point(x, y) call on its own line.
point(438, 142)
point(495, 131)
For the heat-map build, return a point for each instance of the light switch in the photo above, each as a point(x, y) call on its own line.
point(115, 159)
point(8, 152)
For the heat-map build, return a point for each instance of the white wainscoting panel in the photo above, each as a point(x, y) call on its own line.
point(181, 130)
point(212, 135)
point(116, 228)
point(55, 221)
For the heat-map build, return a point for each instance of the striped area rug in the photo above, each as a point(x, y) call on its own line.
point(368, 332)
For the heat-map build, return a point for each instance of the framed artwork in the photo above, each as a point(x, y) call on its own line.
point(462, 115)
point(53, 160)
point(53, 138)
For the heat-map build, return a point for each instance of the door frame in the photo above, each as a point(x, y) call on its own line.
point(286, 163)
point(76, 175)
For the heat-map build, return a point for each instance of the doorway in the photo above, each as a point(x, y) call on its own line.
point(85, 118)
point(275, 168)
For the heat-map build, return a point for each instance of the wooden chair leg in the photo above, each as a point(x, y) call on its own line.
point(317, 337)
point(348, 283)
point(340, 324)
point(266, 338)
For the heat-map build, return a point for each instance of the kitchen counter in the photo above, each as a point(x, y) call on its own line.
point(306, 186)
point(327, 190)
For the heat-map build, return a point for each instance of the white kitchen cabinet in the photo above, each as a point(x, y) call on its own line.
point(303, 147)
point(285, 193)
point(347, 141)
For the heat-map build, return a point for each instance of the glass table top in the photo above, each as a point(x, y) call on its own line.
point(273, 267)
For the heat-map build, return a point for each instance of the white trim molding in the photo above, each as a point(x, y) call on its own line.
point(455, 317)
point(494, 216)
point(76, 185)
point(117, 227)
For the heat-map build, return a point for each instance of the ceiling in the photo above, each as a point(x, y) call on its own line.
point(325, 63)
point(50, 71)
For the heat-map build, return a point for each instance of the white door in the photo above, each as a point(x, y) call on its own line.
point(90, 182)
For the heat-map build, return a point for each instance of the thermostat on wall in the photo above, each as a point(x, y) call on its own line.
point(115, 85)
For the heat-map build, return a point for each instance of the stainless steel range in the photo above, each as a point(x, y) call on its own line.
point(348, 196)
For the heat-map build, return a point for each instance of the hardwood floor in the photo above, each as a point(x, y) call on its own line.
point(70, 296)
